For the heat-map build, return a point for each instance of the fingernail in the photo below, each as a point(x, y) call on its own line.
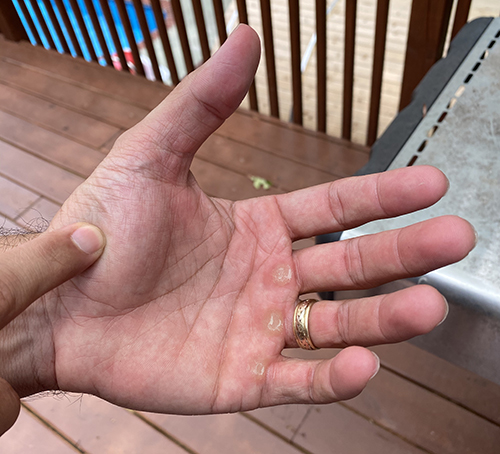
point(88, 238)
point(378, 365)
point(446, 313)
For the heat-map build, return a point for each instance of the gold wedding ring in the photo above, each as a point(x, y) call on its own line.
point(301, 324)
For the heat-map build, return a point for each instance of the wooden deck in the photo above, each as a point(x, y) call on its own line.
point(58, 118)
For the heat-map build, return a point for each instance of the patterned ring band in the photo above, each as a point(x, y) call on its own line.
point(301, 324)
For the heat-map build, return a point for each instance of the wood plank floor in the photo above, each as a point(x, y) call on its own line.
point(58, 118)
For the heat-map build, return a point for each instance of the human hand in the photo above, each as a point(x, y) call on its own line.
point(190, 307)
point(30, 270)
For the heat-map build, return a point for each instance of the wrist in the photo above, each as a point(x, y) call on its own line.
point(27, 351)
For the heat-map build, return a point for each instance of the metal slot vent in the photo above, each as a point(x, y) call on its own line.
point(452, 102)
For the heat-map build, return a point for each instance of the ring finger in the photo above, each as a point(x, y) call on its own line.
point(395, 317)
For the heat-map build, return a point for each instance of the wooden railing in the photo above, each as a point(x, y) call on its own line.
point(429, 23)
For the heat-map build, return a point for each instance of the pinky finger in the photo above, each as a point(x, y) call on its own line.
point(297, 381)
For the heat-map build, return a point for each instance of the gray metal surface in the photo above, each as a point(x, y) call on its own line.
point(460, 135)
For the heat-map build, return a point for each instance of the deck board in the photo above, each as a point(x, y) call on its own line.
point(96, 426)
point(454, 383)
point(54, 117)
point(209, 434)
point(418, 403)
point(90, 76)
point(338, 426)
point(312, 149)
point(51, 88)
point(15, 198)
point(331, 428)
point(424, 418)
point(30, 436)
point(282, 173)
point(48, 145)
point(36, 174)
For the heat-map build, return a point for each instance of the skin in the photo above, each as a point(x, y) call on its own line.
point(30, 266)
point(190, 306)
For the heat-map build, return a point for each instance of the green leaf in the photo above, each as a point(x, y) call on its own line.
point(260, 183)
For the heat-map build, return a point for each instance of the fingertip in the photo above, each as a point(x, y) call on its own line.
point(435, 179)
point(351, 370)
point(241, 52)
point(411, 188)
point(456, 235)
point(412, 312)
point(248, 33)
point(88, 238)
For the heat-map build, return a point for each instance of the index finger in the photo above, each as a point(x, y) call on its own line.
point(351, 202)
point(32, 269)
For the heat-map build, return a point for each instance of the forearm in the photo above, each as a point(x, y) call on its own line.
point(11, 238)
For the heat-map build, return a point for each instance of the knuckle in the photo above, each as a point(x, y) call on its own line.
point(354, 265)
point(342, 323)
point(336, 204)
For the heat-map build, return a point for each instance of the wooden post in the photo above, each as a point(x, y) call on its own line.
point(321, 64)
point(350, 44)
point(10, 24)
point(461, 16)
point(378, 70)
point(428, 27)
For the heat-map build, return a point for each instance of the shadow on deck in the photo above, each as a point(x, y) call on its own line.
point(58, 118)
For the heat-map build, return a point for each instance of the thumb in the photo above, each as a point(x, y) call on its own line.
point(32, 269)
point(172, 133)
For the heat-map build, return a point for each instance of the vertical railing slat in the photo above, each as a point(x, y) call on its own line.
point(41, 21)
point(167, 48)
point(83, 29)
point(69, 28)
point(252, 92)
point(321, 64)
point(11, 25)
point(202, 30)
point(30, 22)
point(122, 10)
point(267, 27)
point(219, 18)
point(146, 34)
point(426, 39)
point(294, 16)
point(461, 16)
point(56, 25)
point(181, 29)
point(350, 42)
point(98, 31)
point(378, 69)
point(114, 34)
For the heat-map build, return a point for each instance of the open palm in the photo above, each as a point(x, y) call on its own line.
point(191, 304)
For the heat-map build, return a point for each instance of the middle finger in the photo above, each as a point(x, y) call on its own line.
point(372, 260)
